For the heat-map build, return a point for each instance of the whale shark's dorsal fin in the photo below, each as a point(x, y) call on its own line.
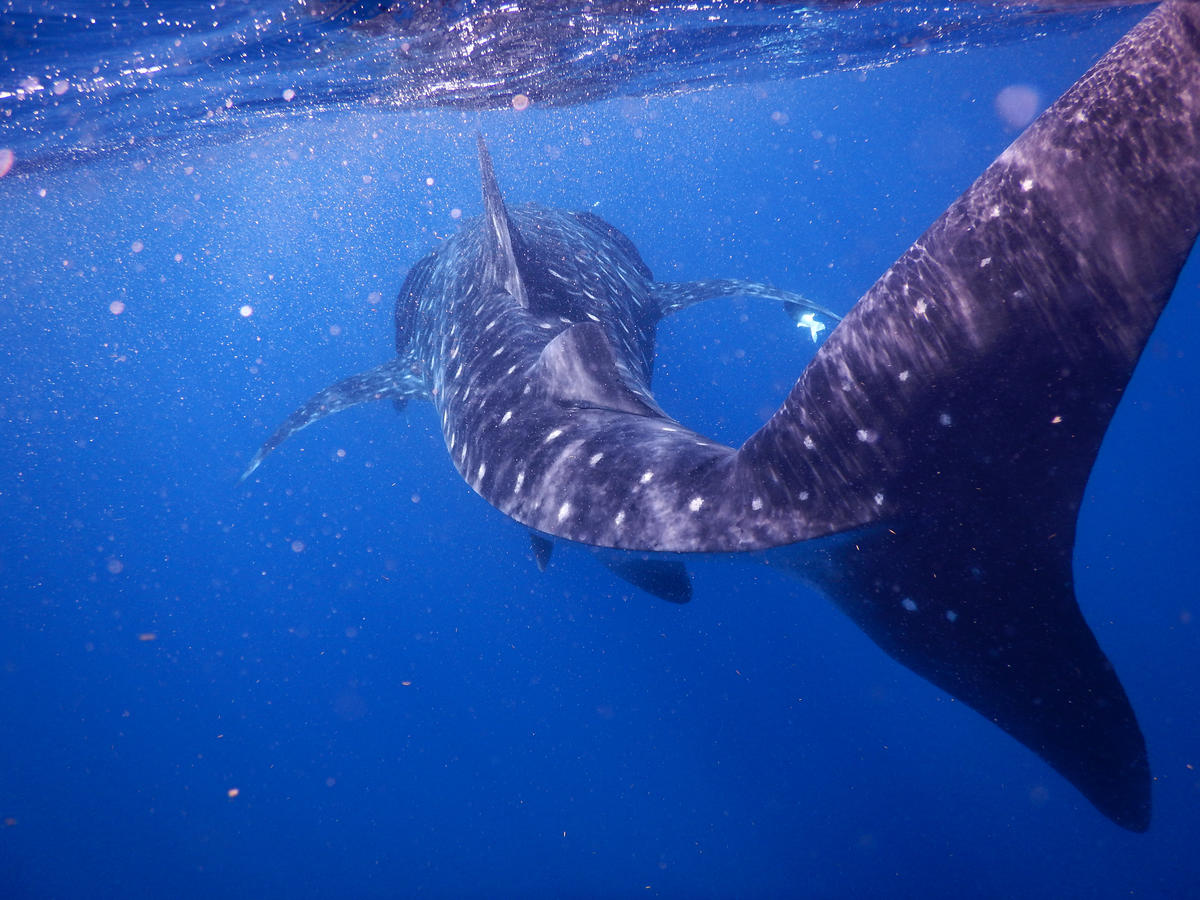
point(578, 369)
point(500, 255)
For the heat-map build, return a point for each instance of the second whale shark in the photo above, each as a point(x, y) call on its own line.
point(926, 470)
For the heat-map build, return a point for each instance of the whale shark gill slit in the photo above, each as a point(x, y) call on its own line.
point(939, 442)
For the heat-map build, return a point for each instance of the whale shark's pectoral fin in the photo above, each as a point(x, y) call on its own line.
point(665, 579)
point(541, 548)
point(674, 296)
point(394, 380)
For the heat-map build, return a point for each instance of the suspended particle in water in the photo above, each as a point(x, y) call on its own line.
point(1017, 105)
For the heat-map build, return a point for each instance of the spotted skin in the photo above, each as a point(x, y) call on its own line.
point(938, 444)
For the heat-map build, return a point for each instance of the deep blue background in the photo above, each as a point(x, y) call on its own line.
point(364, 650)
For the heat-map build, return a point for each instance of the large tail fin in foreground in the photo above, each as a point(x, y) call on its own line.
point(955, 414)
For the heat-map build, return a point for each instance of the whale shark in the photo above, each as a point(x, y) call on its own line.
point(926, 470)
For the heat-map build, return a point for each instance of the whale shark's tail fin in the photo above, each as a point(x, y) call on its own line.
point(950, 423)
point(988, 614)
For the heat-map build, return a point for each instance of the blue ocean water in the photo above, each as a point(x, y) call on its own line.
point(346, 677)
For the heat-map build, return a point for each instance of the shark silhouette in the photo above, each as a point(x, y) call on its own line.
point(938, 444)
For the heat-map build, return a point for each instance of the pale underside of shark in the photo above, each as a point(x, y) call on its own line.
point(940, 440)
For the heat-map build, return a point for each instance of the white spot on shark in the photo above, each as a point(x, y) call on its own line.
point(557, 432)
point(756, 504)
point(905, 375)
point(520, 481)
point(647, 477)
point(809, 443)
point(909, 604)
point(879, 499)
point(564, 511)
point(619, 518)
point(596, 457)
point(1027, 184)
point(482, 471)
point(695, 504)
point(921, 307)
point(504, 418)
point(945, 421)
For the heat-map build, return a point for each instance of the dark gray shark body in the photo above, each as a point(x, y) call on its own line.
point(940, 440)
